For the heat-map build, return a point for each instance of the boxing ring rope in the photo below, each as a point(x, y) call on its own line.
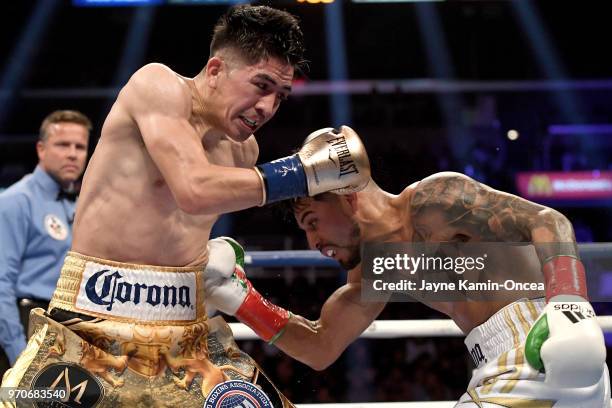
point(271, 259)
point(393, 329)
point(316, 259)
point(386, 329)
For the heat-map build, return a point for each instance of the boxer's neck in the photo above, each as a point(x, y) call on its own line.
point(210, 128)
point(377, 214)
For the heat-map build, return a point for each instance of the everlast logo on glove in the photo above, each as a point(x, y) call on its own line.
point(346, 165)
point(332, 160)
point(143, 294)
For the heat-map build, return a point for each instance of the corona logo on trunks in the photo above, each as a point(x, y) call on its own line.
point(82, 388)
point(237, 394)
point(137, 293)
point(347, 165)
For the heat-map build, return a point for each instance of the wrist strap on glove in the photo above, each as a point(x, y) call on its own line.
point(283, 178)
point(265, 318)
point(564, 275)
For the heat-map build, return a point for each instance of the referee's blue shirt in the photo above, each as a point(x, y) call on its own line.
point(35, 234)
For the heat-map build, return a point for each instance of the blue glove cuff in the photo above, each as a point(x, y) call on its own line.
point(284, 178)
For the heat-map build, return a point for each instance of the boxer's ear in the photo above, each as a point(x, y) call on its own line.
point(214, 67)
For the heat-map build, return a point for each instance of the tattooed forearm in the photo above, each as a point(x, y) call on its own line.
point(466, 208)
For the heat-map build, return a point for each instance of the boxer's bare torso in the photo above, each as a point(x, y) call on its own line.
point(433, 226)
point(126, 210)
point(446, 207)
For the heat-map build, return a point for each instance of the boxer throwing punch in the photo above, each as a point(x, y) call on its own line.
point(174, 154)
point(529, 352)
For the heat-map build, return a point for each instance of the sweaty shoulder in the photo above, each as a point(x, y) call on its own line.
point(441, 186)
point(418, 187)
point(454, 194)
point(442, 177)
point(156, 88)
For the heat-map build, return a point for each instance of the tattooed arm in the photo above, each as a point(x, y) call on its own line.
point(453, 207)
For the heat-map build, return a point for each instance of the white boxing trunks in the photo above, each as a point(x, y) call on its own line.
point(503, 378)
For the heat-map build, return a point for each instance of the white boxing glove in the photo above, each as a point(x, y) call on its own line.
point(222, 288)
point(567, 343)
point(227, 289)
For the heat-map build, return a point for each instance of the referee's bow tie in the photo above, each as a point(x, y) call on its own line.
point(67, 195)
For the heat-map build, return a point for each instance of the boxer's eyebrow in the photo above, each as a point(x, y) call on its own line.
point(304, 216)
point(268, 78)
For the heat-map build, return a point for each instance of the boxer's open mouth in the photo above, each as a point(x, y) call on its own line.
point(250, 123)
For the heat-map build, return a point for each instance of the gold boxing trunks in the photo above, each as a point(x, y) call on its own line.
point(124, 335)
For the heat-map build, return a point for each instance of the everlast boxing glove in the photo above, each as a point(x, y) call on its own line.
point(329, 160)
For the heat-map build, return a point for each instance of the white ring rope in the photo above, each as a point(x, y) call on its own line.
point(391, 329)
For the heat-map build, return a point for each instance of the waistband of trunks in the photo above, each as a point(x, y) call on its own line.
point(145, 294)
point(505, 330)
